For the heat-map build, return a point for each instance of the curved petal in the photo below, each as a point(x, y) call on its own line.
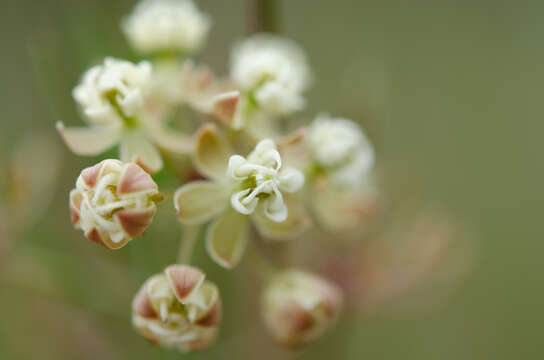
point(136, 148)
point(266, 154)
point(243, 207)
point(212, 152)
point(226, 239)
point(75, 206)
point(274, 207)
point(134, 222)
point(89, 140)
point(291, 180)
point(141, 305)
point(235, 166)
point(169, 140)
point(296, 223)
point(184, 280)
point(134, 179)
point(102, 238)
point(225, 106)
point(199, 201)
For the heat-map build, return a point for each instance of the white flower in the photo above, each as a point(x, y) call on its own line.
point(166, 25)
point(113, 202)
point(112, 97)
point(274, 70)
point(340, 147)
point(240, 190)
point(113, 90)
point(298, 307)
point(178, 308)
point(261, 177)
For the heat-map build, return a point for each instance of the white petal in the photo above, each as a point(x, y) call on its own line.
point(266, 153)
point(237, 203)
point(355, 172)
point(291, 180)
point(211, 153)
point(131, 103)
point(233, 169)
point(89, 140)
point(136, 148)
point(168, 139)
point(199, 201)
point(274, 207)
point(226, 239)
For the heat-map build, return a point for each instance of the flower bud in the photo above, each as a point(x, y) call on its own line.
point(113, 202)
point(341, 149)
point(299, 307)
point(166, 25)
point(274, 69)
point(113, 92)
point(178, 308)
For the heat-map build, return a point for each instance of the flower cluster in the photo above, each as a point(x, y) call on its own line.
point(250, 174)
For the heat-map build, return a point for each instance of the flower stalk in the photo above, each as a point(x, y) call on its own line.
point(188, 241)
point(264, 16)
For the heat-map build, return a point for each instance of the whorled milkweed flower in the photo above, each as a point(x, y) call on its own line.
point(272, 73)
point(112, 100)
point(178, 308)
point(113, 202)
point(341, 150)
point(166, 26)
point(258, 185)
point(298, 307)
point(261, 179)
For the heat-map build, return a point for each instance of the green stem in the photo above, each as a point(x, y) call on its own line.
point(188, 241)
point(260, 265)
point(265, 16)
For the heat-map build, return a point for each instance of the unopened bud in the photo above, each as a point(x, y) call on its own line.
point(299, 307)
point(113, 202)
point(178, 308)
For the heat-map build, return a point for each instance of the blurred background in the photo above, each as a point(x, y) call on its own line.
point(449, 92)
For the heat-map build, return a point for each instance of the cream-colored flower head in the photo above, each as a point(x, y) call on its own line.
point(113, 202)
point(274, 70)
point(113, 90)
point(341, 148)
point(261, 179)
point(256, 189)
point(115, 100)
point(166, 25)
point(178, 308)
point(299, 307)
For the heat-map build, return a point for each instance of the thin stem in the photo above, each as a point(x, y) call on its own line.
point(264, 16)
point(260, 265)
point(187, 244)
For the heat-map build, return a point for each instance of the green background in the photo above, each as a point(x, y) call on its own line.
point(449, 91)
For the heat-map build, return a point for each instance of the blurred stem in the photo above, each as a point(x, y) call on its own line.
point(187, 243)
point(264, 16)
point(260, 265)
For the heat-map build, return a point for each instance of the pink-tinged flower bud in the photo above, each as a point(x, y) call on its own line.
point(299, 307)
point(113, 202)
point(178, 308)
